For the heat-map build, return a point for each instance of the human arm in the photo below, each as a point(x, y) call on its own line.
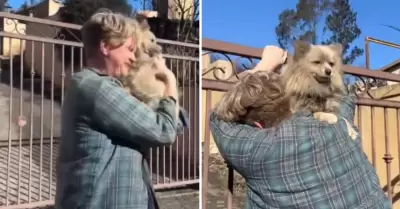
point(165, 75)
point(347, 107)
point(272, 58)
point(118, 114)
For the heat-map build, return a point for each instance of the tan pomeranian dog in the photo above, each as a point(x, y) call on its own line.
point(143, 80)
point(313, 79)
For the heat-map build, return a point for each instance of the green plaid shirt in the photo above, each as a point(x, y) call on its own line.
point(303, 163)
point(105, 132)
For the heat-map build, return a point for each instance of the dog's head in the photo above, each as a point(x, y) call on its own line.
point(315, 69)
point(143, 82)
point(146, 40)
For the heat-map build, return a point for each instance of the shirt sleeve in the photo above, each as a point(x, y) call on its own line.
point(237, 143)
point(118, 114)
point(347, 107)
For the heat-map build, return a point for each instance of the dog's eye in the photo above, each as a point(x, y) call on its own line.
point(317, 62)
point(331, 64)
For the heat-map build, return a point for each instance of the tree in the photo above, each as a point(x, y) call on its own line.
point(187, 13)
point(180, 19)
point(301, 23)
point(304, 23)
point(78, 11)
point(342, 23)
point(27, 4)
point(4, 6)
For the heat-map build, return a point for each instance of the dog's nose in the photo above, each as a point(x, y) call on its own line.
point(328, 72)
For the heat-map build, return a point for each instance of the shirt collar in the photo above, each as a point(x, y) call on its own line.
point(101, 73)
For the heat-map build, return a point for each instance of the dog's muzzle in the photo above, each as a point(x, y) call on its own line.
point(322, 79)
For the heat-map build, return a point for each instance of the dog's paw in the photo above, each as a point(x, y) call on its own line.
point(326, 117)
point(352, 133)
point(350, 130)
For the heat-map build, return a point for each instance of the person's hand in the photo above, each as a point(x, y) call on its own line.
point(168, 77)
point(272, 57)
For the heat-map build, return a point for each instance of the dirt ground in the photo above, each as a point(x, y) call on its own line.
point(218, 185)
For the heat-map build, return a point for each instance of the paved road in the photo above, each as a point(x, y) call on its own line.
point(187, 199)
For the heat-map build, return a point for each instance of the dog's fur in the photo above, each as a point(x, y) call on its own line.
point(308, 86)
point(146, 40)
point(143, 83)
point(269, 98)
point(142, 80)
point(256, 97)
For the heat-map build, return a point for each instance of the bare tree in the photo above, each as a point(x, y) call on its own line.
point(183, 16)
point(188, 13)
point(177, 20)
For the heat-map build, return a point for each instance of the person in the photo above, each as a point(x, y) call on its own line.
point(303, 163)
point(105, 132)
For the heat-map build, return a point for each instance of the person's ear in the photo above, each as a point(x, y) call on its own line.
point(103, 48)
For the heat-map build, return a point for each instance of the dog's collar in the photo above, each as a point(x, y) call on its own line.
point(258, 125)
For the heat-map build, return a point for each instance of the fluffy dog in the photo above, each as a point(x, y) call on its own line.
point(146, 40)
point(142, 80)
point(313, 79)
point(143, 83)
point(257, 98)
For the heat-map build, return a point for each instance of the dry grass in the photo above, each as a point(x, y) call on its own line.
point(218, 176)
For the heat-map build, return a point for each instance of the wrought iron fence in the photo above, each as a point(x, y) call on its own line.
point(37, 59)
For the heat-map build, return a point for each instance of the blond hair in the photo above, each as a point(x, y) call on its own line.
point(112, 28)
point(256, 97)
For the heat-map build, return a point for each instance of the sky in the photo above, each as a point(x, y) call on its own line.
point(252, 23)
point(17, 3)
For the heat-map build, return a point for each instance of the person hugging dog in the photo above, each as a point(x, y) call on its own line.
point(299, 161)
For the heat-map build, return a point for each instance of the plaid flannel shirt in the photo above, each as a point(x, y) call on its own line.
point(303, 163)
point(105, 132)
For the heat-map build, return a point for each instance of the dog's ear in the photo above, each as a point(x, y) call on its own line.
point(300, 49)
point(154, 49)
point(337, 48)
point(142, 20)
